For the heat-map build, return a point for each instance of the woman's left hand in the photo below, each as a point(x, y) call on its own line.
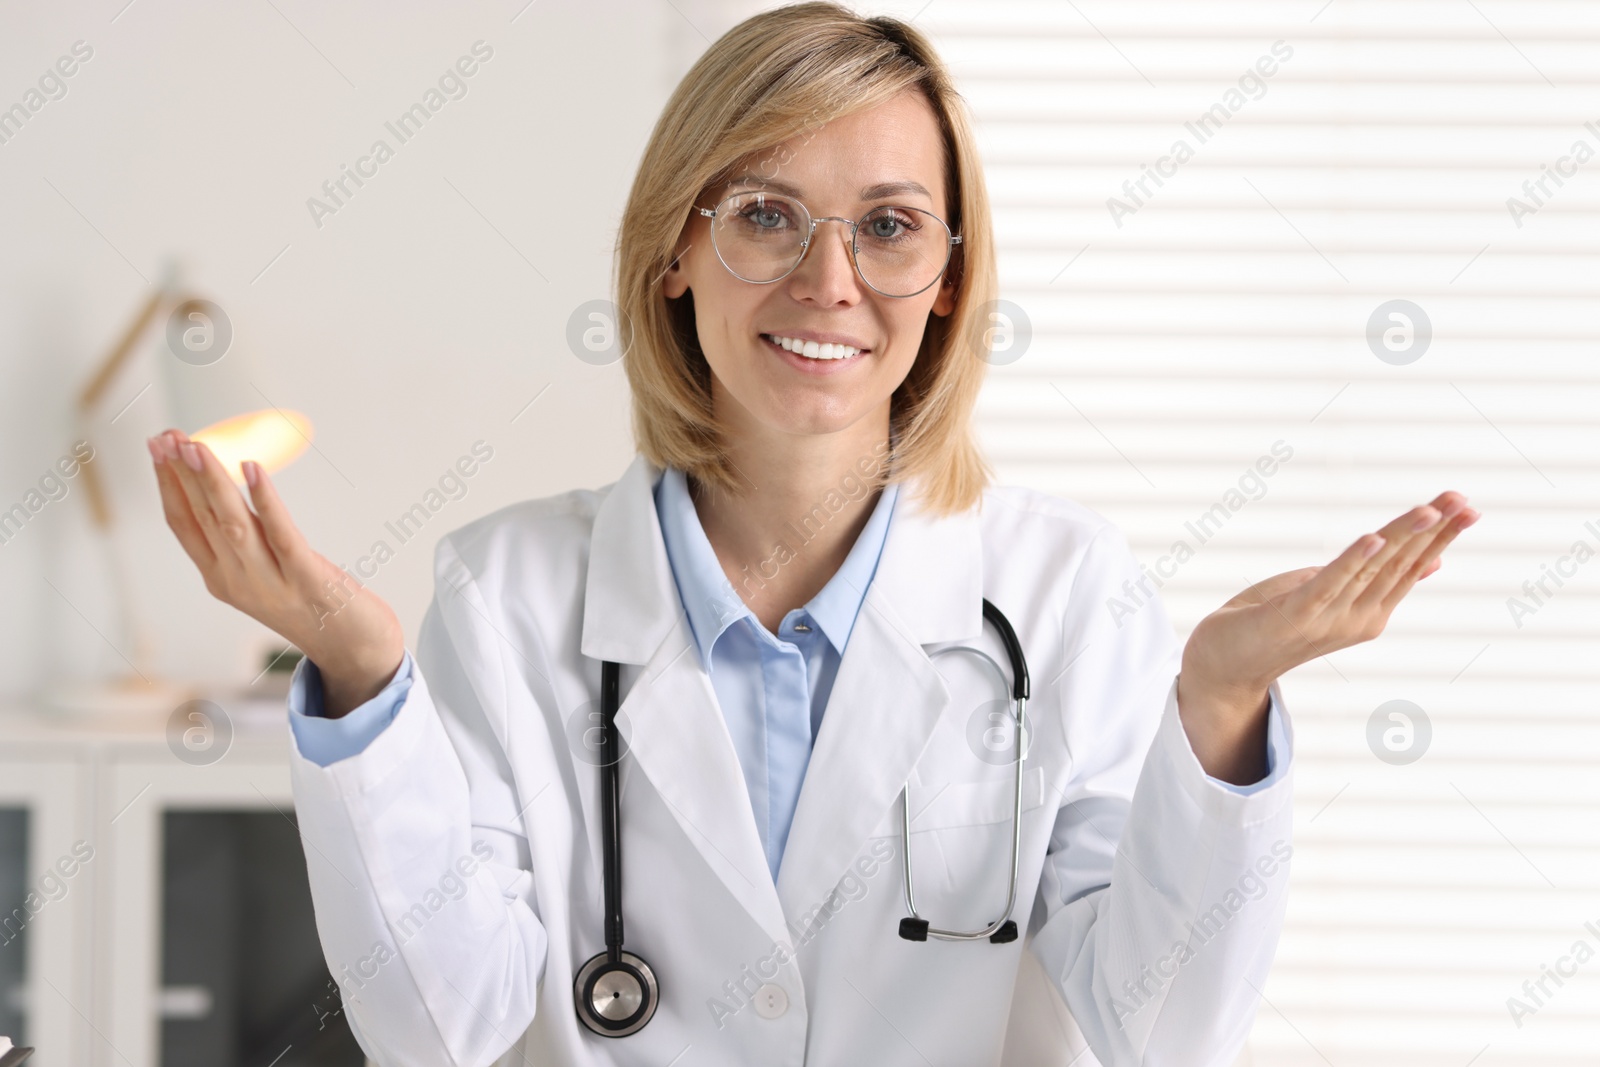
point(1237, 651)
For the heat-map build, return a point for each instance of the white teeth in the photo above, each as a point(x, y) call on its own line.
point(811, 349)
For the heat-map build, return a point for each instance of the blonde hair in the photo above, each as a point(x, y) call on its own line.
point(766, 80)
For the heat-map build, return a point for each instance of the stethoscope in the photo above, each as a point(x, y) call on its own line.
point(616, 992)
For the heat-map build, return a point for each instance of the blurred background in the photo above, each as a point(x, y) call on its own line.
point(1273, 273)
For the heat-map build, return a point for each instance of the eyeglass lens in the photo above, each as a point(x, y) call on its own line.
point(899, 251)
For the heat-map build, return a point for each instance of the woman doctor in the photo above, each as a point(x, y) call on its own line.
point(803, 269)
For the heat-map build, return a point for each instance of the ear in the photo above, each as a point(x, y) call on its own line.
point(945, 302)
point(675, 282)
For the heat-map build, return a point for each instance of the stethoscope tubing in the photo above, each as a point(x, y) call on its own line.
point(615, 961)
point(1019, 697)
point(611, 834)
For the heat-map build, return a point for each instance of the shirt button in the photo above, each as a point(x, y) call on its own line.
point(771, 1001)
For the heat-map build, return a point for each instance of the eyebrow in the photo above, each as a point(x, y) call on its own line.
point(871, 192)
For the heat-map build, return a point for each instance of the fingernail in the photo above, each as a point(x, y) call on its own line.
point(1425, 521)
point(252, 473)
point(1454, 508)
point(169, 445)
point(191, 456)
point(155, 449)
point(1378, 541)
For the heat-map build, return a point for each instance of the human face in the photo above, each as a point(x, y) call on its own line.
point(891, 154)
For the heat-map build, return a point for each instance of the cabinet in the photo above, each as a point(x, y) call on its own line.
point(164, 917)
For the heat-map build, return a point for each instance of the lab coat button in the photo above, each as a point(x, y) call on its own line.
point(771, 1001)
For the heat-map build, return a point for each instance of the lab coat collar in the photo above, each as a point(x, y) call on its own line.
point(930, 573)
point(630, 604)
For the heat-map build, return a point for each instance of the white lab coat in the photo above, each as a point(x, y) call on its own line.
point(455, 863)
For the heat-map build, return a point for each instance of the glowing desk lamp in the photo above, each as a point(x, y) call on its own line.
point(210, 397)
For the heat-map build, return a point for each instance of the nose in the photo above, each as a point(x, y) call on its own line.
point(827, 273)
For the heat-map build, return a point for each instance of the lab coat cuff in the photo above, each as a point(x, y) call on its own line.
point(414, 722)
point(323, 740)
point(1277, 745)
point(1233, 805)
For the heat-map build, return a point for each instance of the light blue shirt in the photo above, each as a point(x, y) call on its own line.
point(772, 688)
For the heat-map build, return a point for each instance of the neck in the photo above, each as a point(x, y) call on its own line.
point(802, 502)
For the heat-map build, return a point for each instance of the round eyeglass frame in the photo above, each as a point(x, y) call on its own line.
point(952, 239)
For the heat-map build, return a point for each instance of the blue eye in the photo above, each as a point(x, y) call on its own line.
point(890, 226)
point(764, 216)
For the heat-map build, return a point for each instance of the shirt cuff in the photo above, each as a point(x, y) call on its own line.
point(323, 740)
point(1276, 743)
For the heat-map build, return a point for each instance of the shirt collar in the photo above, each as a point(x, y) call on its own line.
point(711, 601)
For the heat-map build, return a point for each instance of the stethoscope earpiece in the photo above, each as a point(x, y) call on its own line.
point(913, 929)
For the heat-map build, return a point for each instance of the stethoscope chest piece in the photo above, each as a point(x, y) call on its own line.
point(615, 998)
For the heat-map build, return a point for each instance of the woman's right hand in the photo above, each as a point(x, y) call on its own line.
point(261, 564)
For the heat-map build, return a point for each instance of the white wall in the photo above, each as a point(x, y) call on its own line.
point(405, 326)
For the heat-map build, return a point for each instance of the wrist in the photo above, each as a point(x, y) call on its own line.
point(1226, 726)
point(348, 682)
point(1222, 683)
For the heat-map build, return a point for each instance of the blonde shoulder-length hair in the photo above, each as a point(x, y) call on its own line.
point(773, 77)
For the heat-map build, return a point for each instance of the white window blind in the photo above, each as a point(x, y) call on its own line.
point(1229, 312)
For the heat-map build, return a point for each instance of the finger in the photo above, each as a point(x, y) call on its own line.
point(221, 530)
point(1399, 536)
point(1325, 588)
point(1404, 562)
point(194, 492)
point(239, 527)
point(1399, 562)
point(175, 506)
point(1446, 499)
point(283, 537)
point(1430, 560)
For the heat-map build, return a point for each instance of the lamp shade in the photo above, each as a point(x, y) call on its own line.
point(212, 396)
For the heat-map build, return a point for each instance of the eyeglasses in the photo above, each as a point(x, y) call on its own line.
point(762, 237)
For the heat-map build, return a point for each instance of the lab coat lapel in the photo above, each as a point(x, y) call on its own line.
point(669, 718)
point(886, 698)
point(680, 741)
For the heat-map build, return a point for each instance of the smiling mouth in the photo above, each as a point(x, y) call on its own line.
point(811, 349)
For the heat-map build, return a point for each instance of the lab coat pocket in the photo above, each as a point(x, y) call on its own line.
point(974, 803)
point(961, 848)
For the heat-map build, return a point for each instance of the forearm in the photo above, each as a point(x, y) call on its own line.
point(1226, 728)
